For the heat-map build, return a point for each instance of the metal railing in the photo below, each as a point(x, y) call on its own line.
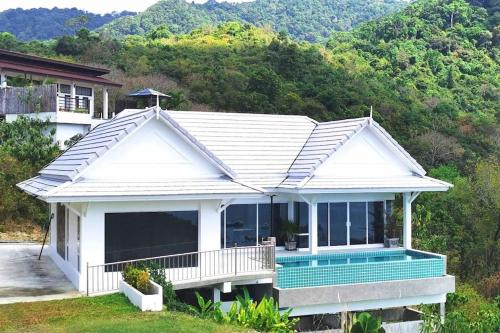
point(73, 104)
point(187, 267)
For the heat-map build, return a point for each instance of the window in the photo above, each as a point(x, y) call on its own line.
point(278, 215)
point(65, 88)
point(357, 217)
point(301, 213)
point(141, 235)
point(241, 225)
point(376, 222)
point(83, 91)
point(61, 230)
point(323, 224)
point(338, 223)
point(350, 223)
point(248, 224)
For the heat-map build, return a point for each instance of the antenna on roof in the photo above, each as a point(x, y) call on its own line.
point(371, 111)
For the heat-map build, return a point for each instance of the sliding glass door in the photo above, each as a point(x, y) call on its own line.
point(248, 224)
point(351, 223)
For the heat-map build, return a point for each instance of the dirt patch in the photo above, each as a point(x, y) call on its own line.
point(21, 232)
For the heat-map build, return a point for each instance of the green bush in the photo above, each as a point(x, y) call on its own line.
point(263, 317)
point(365, 323)
point(137, 278)
point(157, 274)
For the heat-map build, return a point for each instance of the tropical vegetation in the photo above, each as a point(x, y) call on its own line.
point(44, 23)
point(311, 20)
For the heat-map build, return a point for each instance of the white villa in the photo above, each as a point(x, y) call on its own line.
point(201, 192)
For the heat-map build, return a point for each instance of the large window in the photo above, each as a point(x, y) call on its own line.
point(301, 214)
point(61, 230)
point(350, 223)
point(142, 235)
point(241, 225)
point(357, 217)
point(248, 224)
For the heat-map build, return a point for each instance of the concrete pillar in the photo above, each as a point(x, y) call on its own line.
point(313, 227)
point(290, 210)
point(72, 104)
point(407, 199)
point(3, 80)
point(105, 103)
point(442, 311)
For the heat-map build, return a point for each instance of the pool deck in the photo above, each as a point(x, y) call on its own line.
point(281, 252)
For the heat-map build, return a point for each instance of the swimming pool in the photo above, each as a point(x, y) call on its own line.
point(298, 271)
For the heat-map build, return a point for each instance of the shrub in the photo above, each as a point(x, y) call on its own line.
point(365, 323)
point(263, 317)
point(490, 286)
point(157, 274)
point(137, 278)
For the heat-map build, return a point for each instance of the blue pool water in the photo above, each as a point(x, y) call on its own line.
point(357, 267)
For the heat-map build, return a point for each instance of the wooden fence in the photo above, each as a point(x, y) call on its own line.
point(22, 100)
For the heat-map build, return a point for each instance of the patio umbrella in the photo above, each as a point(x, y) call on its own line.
point(148, 92)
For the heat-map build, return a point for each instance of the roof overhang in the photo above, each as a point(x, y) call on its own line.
point(48, 72)
point(132, 198)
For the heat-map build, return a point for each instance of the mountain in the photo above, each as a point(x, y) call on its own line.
point(43, 23)
point(311, 20)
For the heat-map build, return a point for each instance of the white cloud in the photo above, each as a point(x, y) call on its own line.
point(95, 6)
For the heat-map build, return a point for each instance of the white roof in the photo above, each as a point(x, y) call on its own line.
point(256, 153)
point(88, 190)
point(378, 184)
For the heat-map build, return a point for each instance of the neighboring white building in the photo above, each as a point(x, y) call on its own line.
point(154, 183)
point(62, 93)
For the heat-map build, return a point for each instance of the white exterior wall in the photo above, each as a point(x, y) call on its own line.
point(69, 264)
point(93, 226)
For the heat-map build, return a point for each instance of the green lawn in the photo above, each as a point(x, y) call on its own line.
point(111, 313)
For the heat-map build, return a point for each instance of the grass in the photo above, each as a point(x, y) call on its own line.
point(111, 313)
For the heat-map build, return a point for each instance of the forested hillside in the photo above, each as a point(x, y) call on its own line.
point(43, 23)
point(430, 71)
point(311, 20)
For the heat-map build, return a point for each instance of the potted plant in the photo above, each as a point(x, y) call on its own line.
point(290, 229)
point(140, 290)
point(391, 238)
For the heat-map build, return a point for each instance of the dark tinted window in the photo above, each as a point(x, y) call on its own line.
point(357, 216)
point(61, 230)
point(322, 224)
point(142, 235)
point(241, 225)
point(338, 227)
point(83, 91)
point(376, 222)
point(301, 213)
point(279, 214)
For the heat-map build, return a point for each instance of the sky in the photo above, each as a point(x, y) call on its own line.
point(95, 6)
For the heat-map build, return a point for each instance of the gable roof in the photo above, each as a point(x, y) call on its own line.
point(327, 138)
point(103, 137)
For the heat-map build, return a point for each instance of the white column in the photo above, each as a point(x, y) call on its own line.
point(3, 80)
point(442, 312)
point(313, 227)
point(407, 220)
point(291, 210)
point(91, 103)
point(105, 103)
point(72, 103)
